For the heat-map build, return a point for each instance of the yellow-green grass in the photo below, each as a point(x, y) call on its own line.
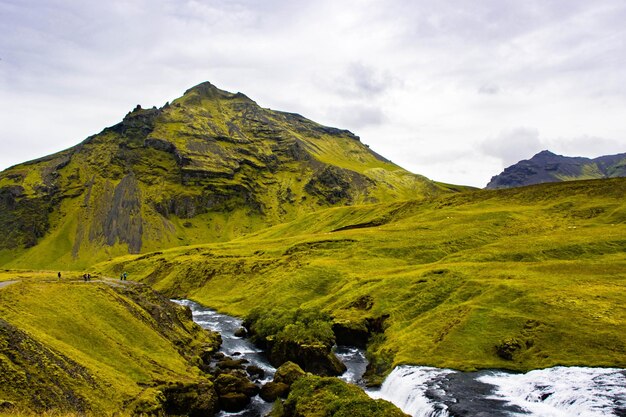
point(543, 267)
point(115, 345)
point(211, 167)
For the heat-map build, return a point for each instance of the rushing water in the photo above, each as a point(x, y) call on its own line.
point(354, 359)
point(432, 392)
point(235, 347)
point(554, 392)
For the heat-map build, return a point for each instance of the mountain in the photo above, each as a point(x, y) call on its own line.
point(549, 167)
point(521, 278)
point(210, 166)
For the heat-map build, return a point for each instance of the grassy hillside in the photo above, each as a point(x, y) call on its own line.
point(93, 347)
point(209, 167)
point(518, 279)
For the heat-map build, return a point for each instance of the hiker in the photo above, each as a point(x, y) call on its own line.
point(125, 276)
point(88, 276)
point(122, 276)
point(59, 275)
point(85, 277)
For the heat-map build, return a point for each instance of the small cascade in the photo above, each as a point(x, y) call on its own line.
point(432, 392)
point(236, 347)
point(563, 391)
point(406, 387)
point(355, 361)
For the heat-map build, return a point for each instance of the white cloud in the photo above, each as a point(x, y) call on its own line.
point(513, 145)
point(410, 78)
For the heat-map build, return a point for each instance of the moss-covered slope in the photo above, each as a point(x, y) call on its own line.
point(208, 167)
point(97, 348)
point(519, 279)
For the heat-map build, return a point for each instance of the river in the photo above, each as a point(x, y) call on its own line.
point(432, 392)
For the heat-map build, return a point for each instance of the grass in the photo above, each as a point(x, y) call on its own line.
point(316, 396)
point(459, 275)
point(87, 347)
point(211, 167)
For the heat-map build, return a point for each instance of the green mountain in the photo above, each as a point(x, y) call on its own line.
point(520, 279)
point(209, 167)
point(549, 167)
point(310, 236)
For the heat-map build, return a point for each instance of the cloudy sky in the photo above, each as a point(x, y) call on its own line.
point(455, 90)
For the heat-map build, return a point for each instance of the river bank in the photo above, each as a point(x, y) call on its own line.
point(433, 392)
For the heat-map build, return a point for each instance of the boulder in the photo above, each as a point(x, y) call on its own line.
point(271, 391)
point(195, 400)
point(235, 383)
point(229, 363)
point(240, 332)
point(255, 372)
point(288, 373)
point(233, 402)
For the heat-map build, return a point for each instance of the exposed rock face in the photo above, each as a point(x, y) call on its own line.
point(212, 158)
point(123, 222)
point(358, 333)
point(549, 167)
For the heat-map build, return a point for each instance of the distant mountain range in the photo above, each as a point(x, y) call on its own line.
point(550, 167)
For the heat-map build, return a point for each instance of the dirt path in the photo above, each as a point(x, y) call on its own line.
point(105, 280)
point(6, 283)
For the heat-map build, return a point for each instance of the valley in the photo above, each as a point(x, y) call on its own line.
point(309, 240)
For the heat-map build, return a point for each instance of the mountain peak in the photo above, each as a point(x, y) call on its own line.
point(545, 153)
point(210, 91)
point(160, 176)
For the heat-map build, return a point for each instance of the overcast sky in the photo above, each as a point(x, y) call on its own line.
point(455, 90)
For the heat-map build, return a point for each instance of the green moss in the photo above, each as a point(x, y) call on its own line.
point(211, 167)
point(316, 396)
point(457, 275)
point(88, 347)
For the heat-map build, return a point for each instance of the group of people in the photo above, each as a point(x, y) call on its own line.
point(87, 276)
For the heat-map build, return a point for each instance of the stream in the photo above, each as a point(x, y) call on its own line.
point(433, 392)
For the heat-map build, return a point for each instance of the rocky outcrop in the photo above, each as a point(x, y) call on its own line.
point(285, 376)
point(316, 358)
point(335, 185)
point(193, 400)
point(318, 396)
point(234, 390)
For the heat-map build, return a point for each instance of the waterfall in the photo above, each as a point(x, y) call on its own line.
point(563, 392)
point(553, 392)
point(406, 387)
point(432, 392)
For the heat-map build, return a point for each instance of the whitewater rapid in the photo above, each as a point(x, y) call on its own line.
point(433, 392)
point(236, 347)
point(553, 392)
